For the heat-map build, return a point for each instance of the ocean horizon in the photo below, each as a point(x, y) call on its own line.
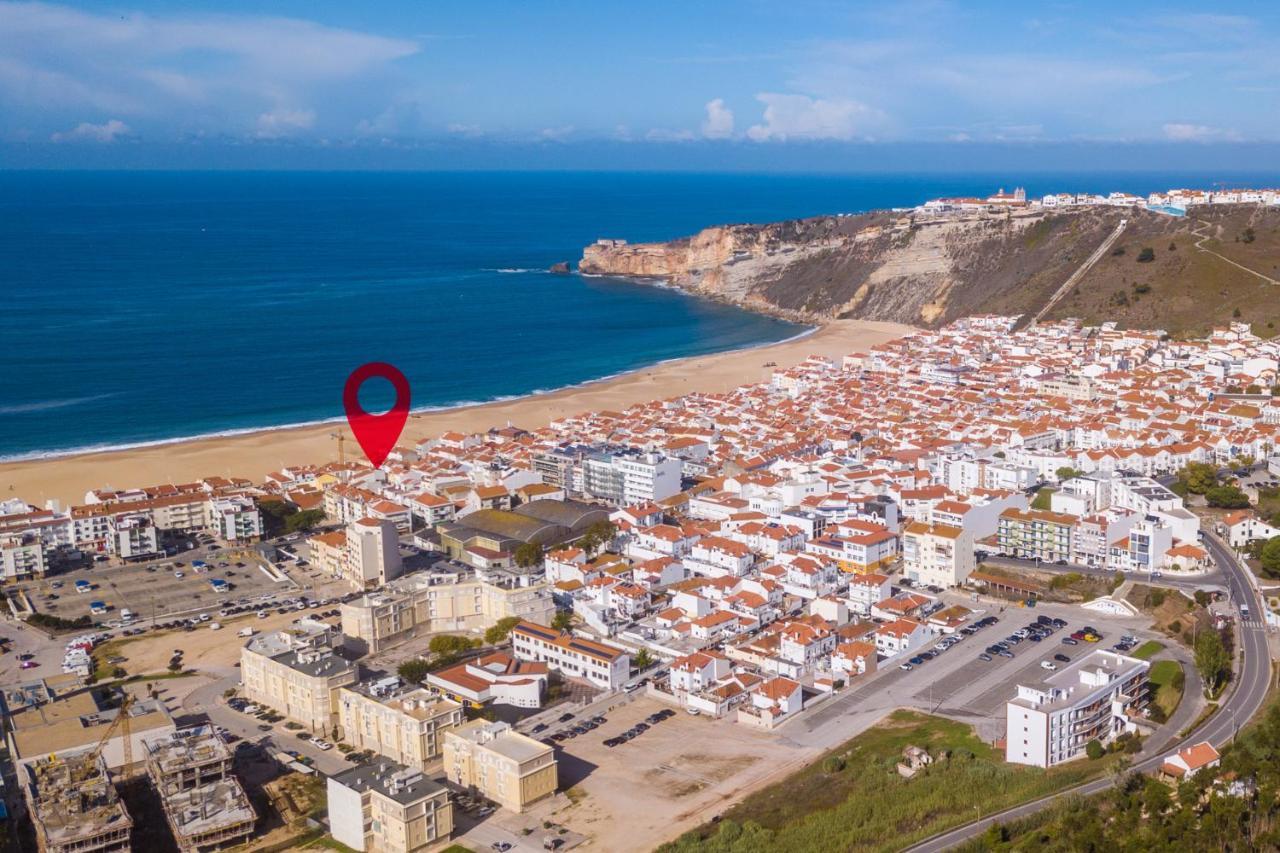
point(152, 307)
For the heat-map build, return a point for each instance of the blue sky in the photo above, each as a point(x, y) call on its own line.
point(529, 83)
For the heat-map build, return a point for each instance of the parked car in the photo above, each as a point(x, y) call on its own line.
point(906, 667)
point(1061, 657)
point(1048, 664)
point(984, 656)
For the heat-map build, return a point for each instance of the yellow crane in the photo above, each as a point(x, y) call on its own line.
point(342, 456)
point(121, 722)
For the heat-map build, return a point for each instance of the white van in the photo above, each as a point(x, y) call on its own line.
point(215, 626)
point(246, 632)
point(127, 616)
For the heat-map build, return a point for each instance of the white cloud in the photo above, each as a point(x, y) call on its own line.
point(284, 122)
point(107, 132)
point(556, 134)
point(1186, 132)
point(801, 117)
point(182, 71)
point(467, 130)
point(719, 123)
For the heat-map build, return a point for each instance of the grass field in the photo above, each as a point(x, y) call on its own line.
point(1167, 678)
point(854, 798)
point(1147, 650)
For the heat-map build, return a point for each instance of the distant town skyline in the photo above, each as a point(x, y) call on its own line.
point(667, 85)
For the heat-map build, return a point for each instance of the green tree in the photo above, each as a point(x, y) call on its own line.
point(1066, 472)
point(413, 671)
point(500, 630)
point(1198, 477)
point(1094, 750)
point(562, 620)
point(1226, 496)
point(528, 555)
point(1147, 255)
point(1212, 659)
point(1248, 236)
point(304, 520)
point(643, 660)
point(447, 648)
point(1269, 557)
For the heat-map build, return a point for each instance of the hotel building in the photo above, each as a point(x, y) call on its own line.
point(604, 666)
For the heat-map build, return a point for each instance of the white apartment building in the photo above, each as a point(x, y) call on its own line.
point(235, 519)
point(937, 554)
point(132, 537)
point(21, 557)
point(627, 478)
point(602, 665)
point(372, 553)
point(1093, 698)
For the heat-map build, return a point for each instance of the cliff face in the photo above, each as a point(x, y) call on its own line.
point(888, 266)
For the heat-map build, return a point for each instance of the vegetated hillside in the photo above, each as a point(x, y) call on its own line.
point(1180, 287)
point(904, 268)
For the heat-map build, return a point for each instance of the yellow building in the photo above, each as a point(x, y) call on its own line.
point(404, 725)
point(446, 597)
point(296, 672)
point(499, 762)
point(385, 808)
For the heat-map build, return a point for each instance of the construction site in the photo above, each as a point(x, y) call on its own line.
point(74, 805)
point(71, 794)
point(205, 805)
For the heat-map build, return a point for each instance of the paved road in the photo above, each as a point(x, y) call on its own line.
point(1249, 690)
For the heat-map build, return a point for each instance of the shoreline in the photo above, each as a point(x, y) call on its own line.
point(237, 432)
point(255, 452)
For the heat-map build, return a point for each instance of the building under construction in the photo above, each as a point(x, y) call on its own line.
point(74, 805)
point(205, 805)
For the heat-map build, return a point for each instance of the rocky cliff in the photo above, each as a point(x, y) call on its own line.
point(893, 266)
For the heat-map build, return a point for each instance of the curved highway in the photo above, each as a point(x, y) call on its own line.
point(1247, 693)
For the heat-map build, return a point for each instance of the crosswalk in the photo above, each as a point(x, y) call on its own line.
point(1252, 623)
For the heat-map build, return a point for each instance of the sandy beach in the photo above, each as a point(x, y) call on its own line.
point(253, 455)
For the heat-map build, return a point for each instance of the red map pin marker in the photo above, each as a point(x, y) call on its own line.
point(377, 434)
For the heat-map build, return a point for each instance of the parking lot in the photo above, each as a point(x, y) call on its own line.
point(154, 589)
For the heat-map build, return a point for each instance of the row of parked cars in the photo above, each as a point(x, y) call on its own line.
point(947, 642)
point(1043, 627)
point(640, 728)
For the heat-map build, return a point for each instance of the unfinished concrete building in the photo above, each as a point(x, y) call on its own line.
point(74, 805)
point(205, 805)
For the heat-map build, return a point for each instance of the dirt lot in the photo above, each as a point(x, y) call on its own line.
point(676, 775)
point(202, 648)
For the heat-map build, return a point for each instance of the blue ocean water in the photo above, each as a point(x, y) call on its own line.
point(149, 306)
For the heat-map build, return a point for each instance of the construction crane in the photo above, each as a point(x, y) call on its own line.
point(121, 722)
point(342, 456)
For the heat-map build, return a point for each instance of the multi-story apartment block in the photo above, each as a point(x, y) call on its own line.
point(21, 557)
point(1035, 534)
point(297, 672)
point(372, 553)
point(628, 477)
point(503, 765)
point(404, 724)
point(937, 554)
point(384, 808)
point(602, 665)
point(446, 597)
point(235, 519)
point(1093, 698)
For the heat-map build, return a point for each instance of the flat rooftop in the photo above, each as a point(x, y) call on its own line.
point(186, 748)
point(392, 780)
point(1111, 666)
